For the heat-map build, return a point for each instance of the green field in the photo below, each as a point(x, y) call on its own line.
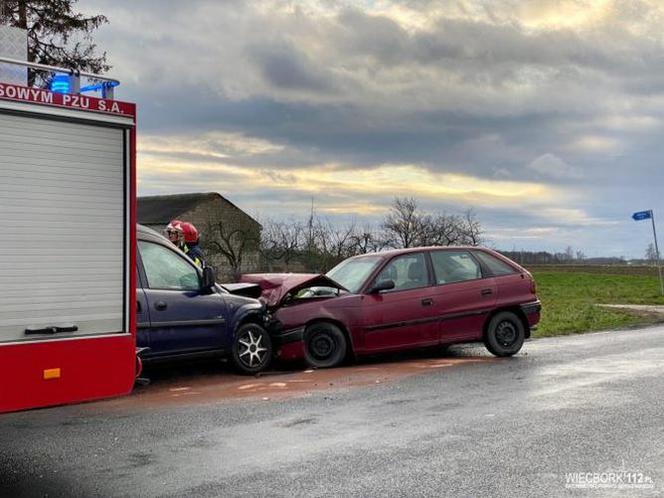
point(569, 297)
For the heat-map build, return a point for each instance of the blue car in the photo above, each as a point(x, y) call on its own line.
point(183, 313)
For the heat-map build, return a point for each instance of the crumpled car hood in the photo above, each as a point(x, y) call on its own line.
point(243, 289)
point(276, 286)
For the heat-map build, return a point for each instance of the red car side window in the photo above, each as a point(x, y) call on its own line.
point(407, 272)
point(496, 266)
point(454, 266)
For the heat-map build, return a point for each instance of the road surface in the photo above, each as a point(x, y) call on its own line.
point(578, 411)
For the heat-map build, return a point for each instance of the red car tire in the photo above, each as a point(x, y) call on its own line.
point(325, 345)
point(505, 334)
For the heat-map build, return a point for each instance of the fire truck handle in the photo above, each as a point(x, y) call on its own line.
point(51, 330)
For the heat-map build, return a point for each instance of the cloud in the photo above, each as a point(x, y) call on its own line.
point(629, 122)
point(211, 145)
point(519, 234)
point(596, 143)
point(574, 217)
point(336, 187)
point(287, 68)
point(457, 102)
point(550, 165)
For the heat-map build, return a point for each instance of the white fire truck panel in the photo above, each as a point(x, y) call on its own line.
point(63, 218)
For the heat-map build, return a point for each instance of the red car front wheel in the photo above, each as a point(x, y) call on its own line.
point(324, 345)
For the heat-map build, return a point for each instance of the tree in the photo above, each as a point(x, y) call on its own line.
point(471, 229)
point(57, 35)
point(282, 241)
point(407, 226)
point(366, 240)
point(334, 243)
point(317, 243)
point(651, 253)
point(232, 244)
point(404, 223)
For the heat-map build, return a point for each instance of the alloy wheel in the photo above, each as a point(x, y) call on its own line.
point(252, 351)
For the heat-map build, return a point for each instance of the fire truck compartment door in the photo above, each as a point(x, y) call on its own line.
point(63, 212)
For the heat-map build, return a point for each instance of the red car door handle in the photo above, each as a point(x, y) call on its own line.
point(427, 301)
point(486, 292)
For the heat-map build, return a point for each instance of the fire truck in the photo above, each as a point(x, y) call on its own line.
point(67, 258)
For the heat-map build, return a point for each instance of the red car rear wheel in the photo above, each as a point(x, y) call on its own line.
point(505, 334)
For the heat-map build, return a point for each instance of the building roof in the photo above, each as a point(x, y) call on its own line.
point(161, 209)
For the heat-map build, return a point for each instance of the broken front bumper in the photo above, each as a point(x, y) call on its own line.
point(288, 343)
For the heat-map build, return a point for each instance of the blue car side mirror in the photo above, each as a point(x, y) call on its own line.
point(209, 278)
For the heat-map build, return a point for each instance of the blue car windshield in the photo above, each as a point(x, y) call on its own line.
point(353, 272)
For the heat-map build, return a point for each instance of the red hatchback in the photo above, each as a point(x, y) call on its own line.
point(402, 299)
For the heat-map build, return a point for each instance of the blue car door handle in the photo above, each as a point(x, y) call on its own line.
point(160, 306)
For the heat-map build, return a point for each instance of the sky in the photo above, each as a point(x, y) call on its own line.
point(545, 117)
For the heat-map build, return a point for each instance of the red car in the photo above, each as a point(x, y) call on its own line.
point(401, 299)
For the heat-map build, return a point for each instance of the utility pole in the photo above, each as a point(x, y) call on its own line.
point(310, 238)
point(659, 266)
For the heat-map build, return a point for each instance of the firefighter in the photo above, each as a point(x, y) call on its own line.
point(191, 247)
point(174, 233)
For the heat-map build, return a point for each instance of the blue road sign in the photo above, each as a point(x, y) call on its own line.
point(650, 215)
point(642, 215)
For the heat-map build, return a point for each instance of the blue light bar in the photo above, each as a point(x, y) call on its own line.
point(60, 83)
point(100, 86)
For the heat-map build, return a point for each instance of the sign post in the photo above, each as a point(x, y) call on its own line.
point(644, 215)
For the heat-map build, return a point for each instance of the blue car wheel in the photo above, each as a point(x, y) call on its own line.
point(252, 349)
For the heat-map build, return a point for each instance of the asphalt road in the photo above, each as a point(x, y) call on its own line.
point(470, 426)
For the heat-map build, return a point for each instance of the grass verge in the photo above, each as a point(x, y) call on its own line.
point(569, 300)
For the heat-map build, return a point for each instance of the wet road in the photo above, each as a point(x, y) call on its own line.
point(460, 424)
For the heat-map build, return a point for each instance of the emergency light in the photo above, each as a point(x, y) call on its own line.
point(104, 86)
point(67, 81)
point(60, 83)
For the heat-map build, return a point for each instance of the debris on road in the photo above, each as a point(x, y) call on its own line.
point(222, 386)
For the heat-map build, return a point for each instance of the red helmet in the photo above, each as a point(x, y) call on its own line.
point(190, 233)
point(174, 231)
point(174, 226)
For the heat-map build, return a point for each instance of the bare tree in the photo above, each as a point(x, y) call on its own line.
point(471, 229)
point(282, 241)
point(232, 244)
point(407, 226)
point(651, 253)
point(443, 230)
point(568, 254)
point(334, 243)
point(367, 239)
point(404, 223)
point(318, 243)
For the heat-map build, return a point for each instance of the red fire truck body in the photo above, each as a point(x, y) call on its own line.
point(68, 217)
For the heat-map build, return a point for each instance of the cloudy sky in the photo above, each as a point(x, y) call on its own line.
point(543, 116)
